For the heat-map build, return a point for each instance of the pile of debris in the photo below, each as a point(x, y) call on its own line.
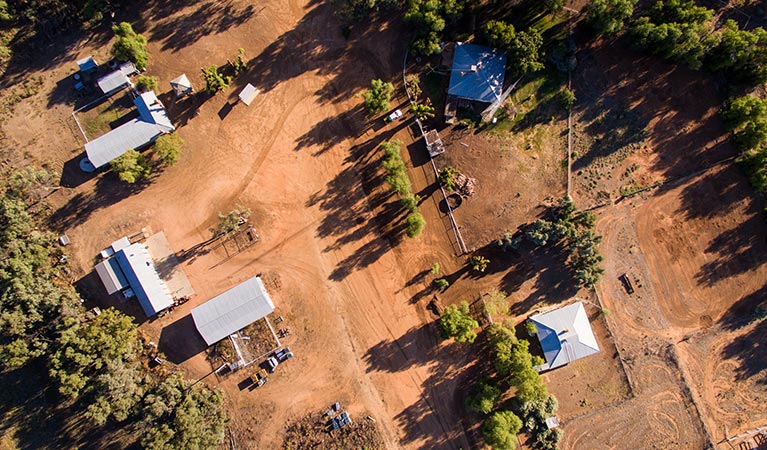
point(332, 429)
point(465, 185)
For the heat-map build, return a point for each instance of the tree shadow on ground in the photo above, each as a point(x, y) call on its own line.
point(93, 292)
point(108, 191)
point(744, 311)
point(43, 47)
point(748, 348)
point(316, 45)
point(355, 206)
point(435, 419)
point(182, 110)
point(333, 131)
point(625, 98)
point(739, 247)
point(179, 30)
point(180, 340)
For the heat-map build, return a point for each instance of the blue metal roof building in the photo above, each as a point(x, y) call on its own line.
point(87, 64)
point(477, 73)
point(565, 335)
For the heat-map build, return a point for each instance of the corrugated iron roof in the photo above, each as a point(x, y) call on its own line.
point(139, 270)
point(477, 72)
point(565, 335)
point(232, 310)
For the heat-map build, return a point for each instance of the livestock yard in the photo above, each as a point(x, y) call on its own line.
point(681, 362)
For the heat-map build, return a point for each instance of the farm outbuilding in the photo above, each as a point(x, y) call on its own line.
point(152, 123)
point(565, 335)
point(232, 310)
point(477, 73)
point(87, 65)
point(114, 81)
point(132, 268)
point(248, 94)
point(181, 85)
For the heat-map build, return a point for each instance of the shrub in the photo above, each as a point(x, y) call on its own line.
point(567, 97)
point(239, 63)
point(131, 166)
point(434, 268)
point(447, 177)
point(478, 263)
point(531, 328)
point(145, 83)
point(441, 284)
point(130, 46)
point(456, 322)
point(168, 148)
point(415, 224)
point(483, 399)
point(214, 80)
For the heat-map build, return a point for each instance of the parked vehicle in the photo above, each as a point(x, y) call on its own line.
point(271, 364)
point(393, 116)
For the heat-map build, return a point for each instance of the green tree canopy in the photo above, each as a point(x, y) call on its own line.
point(515, 361)
point(456, 322)
point(376, 99)
point(522, 47)
point(608, 16)
point(131, 166)
point(483, 399)
point(176, 415)
point(130, 46)
point(32, 295)
point(168, 148)
point(146, 83)
point(741, 54)
point(500, 430)
point(84, 350)
point(426, 17)
point(415, 225)
point(214, 80)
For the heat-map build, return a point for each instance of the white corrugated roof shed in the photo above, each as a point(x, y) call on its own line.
point(111, 275)
point(232, 310)
point(153, 122)
point(565, 335)
point(131, 135)
point(248, 93)
point(113, 81)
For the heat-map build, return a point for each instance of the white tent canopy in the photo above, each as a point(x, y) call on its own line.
point(248, 94)
point(181, 85)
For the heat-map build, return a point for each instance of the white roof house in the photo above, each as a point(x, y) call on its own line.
point(565, 335)
point(232, 310)
point(248, 94)
point(152, 122)
point(132, 266)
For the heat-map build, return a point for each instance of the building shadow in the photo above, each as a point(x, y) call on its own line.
point(71, 174)
point(180, 340)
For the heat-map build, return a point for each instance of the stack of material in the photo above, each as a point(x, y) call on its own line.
point(465, 185)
